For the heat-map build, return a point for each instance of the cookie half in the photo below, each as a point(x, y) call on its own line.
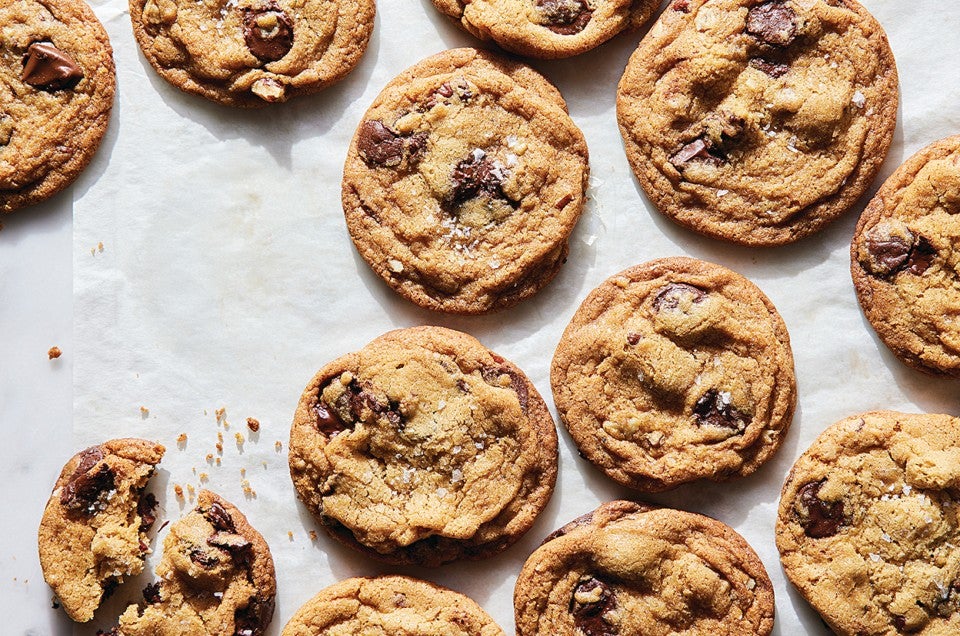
point(905, 260)
point(548, 29)
point(464, 181)
point(422, 448)
point(252, 52)
point(672, 371)
point(93, 533)
point(868, 526)
point(627, 568)
point(390, 605)
point(216, 577)
point(758, 122)
point(57, 73)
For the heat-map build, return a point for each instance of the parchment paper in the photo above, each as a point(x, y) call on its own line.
point(226, 279)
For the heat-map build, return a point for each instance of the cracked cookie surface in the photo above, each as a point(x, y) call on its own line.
point(422, 448)
point(758, 122)
point(93, 533)
point(57, 84)
point(675, 370)
point(464, 181)
point(548, 29)
point(868, 525)
point(905, 260)
point(216, 578)
point(252, 52)
point(390, 606)
point(628, 568)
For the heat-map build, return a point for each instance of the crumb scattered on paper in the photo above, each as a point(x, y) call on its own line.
point(54, 352)
point(253, 424)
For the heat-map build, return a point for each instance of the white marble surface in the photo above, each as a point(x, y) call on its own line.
point(235, 352)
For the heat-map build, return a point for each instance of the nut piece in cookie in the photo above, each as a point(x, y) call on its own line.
point(216, 576)
point(378, 605)
point(249, 53)
point(868, 525)
point(424, 447)
point(627, 568)
point(548, 29)
point(93, 533)
point(464, 181)
point(904, 260)
point(672, 371)
point(758, 122)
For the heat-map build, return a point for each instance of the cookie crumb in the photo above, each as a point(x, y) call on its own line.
point(253, 424)
point(221, 415)
point(218, 461)
point(313, 535)
point(278, 445)
point(100, 247)
point(243, 472)
point(204, 477)
point(191, 491)
point(239, 437)
point(54, 352)
point(144, 412)
point(182, 440)
point(178, 491)
point(209, 458)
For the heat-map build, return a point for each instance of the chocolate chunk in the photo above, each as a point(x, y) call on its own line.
point(773, 22)
point(818, 518)
point(445, 90)
point(591, 600)
point(219, 518)
point(268, 32)
point(203, 558)
point(328, 422)
point(109, 587)
point(416, 145)
point(770, 68)
point(670, 296)
point(681, 5)
point(113, 631)
point(86, 485)
point(697, 149)
point(714, 409)
point(890, 255)
point(921, 256)
point(477, 176)
point(146, 510)
point(580, 521)
point(565, 17)
point(228, 541)
point(378, 145)
point(253, 619)
point(48, 68)
point(634, 338)
point(491, 375)
point(151, 593)
point(899, 622)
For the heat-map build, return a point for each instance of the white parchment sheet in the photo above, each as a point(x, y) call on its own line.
point(226, 279)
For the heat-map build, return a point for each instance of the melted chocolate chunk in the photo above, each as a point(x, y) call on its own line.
point(228, 542)
point(151, 593)
point(714, 409)
point(203, 558)
point(697, 149)
point(565, 17)
point(588, 614)
point(772, 69)
point(773, 22)
point(219, 518)
point(921, 256)
point(899, 622)
point(328, 422)
point(895, 254)
point(818, 518)
point(580, 521)
point(491, 375)
point(477, 176)
point(378, 145)
point(670, 295)
point(146, 510)
point(252, 619)
point(109, 587)
point(48, 68)
point(86, 485)
point(268, 32)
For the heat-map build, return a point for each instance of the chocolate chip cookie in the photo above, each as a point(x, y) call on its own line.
point(672, 371)
point(548, 29)
point(464, 181)
point(627, 568)
point(905, 260)
point(57, 83)
point(216, 577)
point(422, 448)
point(868, 526)
point(252, 52)
point(758, 122)
point(396, 605)
point(93, 532)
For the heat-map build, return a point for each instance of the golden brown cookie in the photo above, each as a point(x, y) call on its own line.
point(394, 605)
point(629, 569)
point(252, 52)
point(216, 578)
point(905, 260)
point(868, 527)
point(422, 448)
point(548, 29)
point(464, 181)
point(758, 122)
point(57, 83)
point(93, 533)
point(672, 371)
